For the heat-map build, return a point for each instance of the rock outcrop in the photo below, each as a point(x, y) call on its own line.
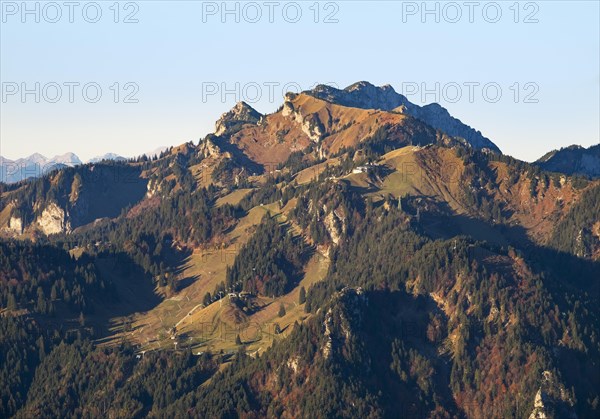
point(53, 220)
point(207, 149)
point(240, 114)
point(552, 400)
point(310, 123)
point(335, 224)
point(15, 225)
point(342, 318)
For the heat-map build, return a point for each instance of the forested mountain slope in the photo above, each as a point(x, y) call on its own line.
point(330, 259)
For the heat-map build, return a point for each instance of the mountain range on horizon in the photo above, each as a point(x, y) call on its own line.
point(35, 165)
point(363, 95)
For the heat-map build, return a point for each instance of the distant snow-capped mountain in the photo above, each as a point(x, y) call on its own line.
point(33, 166)
point(36, 165)
point(107, 156)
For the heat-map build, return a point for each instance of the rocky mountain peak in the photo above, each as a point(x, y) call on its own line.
point(365, 95)
point(240, 114)
point(69, 159)
point(361, 94)
point(35, 158)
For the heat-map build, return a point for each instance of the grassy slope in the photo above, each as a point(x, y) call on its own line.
point(217, 325)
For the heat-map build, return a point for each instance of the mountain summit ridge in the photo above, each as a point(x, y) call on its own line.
point(365, 95)
point(573, 160)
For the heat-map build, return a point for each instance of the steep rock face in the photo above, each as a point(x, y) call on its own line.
point(573, 160)
point(342, 318)
point(153, 187)
point(53, 220)
point(75, 197)
point(240, 114)
point(367, 96)
point(310, 123)
point(335, 224)
point(552, 400)
point(313, 128)
point(15, 225)
point(208, 149)
point(538, 407)
point(288, 107)
point(332, 216)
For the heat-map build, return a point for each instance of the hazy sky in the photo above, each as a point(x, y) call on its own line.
point(526, 74)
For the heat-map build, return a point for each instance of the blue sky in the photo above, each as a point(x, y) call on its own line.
point(534, 83)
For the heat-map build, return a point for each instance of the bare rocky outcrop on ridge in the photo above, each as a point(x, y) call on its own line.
point(240, 114)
